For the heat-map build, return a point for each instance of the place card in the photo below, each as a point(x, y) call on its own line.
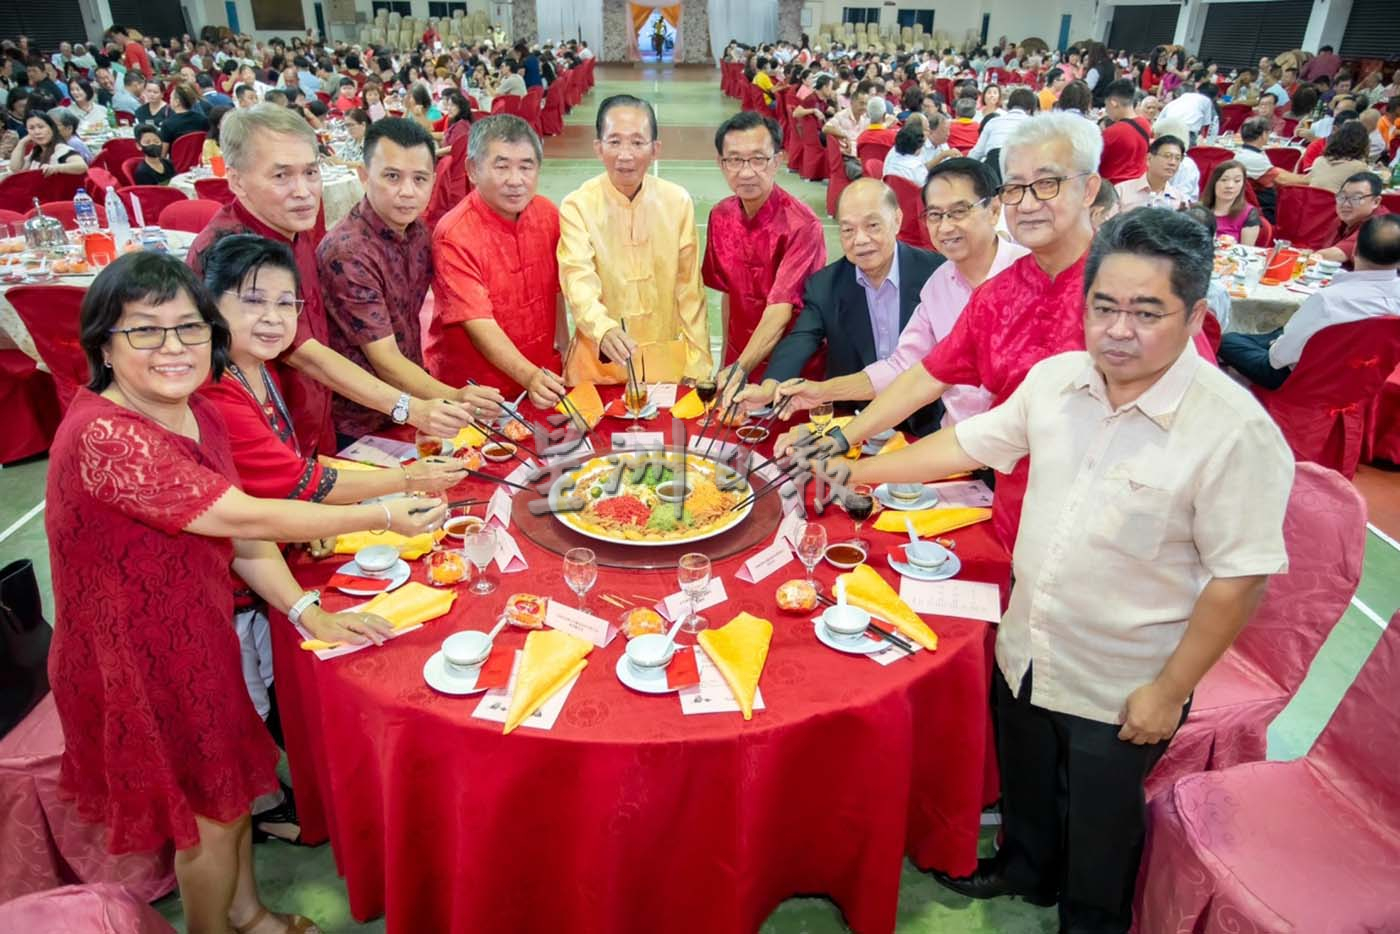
point(495, 704)
point(662, 395)
point(678, 604)
point(380, 452)
point(789, 529)
point(346, 648)
point(567, 451)
point(498, 509)
point(712, 694)
point(967, 599)
point(638, 440)
point(509, 559)
point(710, 445)
point(764, 563)
point(520, 474)
point(963, 494)
point(576, 622)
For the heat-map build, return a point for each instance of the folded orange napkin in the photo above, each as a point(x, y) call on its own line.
point(866, 589)
point(411, 604)
point(586, 400)
point(739, 650)
point(930, 522)
point(689, 406)
point(409, 548)
point(552, 659)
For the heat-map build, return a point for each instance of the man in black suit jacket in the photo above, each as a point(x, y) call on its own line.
point(836, 311)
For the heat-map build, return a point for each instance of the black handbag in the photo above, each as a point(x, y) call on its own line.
point(24, 639)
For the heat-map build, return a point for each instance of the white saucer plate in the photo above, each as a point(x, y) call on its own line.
point(861, 646)
point(641, 685)
point(947, 569)
point(398, 575)
point(447, 681)
point(927, 501)
point(648, 412)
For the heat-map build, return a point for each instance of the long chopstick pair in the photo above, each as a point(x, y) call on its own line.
point(509, 411)
point(784, 475)
point(889, 635)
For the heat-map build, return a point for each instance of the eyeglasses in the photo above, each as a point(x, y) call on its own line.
point(285, 306)
point(1144, 320)
point(1044, 189)
point(152, 337)
point(957, 214)
point(738, 163)
point(1352, 201)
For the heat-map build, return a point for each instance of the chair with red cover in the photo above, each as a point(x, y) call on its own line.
point(1306, 845)
point(1288, 128)
point(1324, 406)
point(912, 230)
point(1306, 216)
point(449, 187)
point(45, 842)
point(872, 168)
point(128, 172)
point(114, 153)
point(11, 217)
point(552, 115)
point(98, 180)
point(755, 100)
point(50, 315)
point(1207, 158)
point(1284, 157)
point(214, 189)
point(154, 199)
point(1210, 327)
point(1324, 532)
point(814, 167)
point(62, 211)
point(530, 108)
point(93, 909)
point(18, 191)
point(125, 118)
point(60, 186)
point(30, 404)
point(506, 104)
point(1391, 199)
point(836, 181)
point(1383, 425)
point(870, 150)
point(1266, 233)
point(1233, 116)
point(191, 215)
point(185, 152)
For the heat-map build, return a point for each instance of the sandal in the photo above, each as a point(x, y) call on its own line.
point(284, 813)
point(296, 924)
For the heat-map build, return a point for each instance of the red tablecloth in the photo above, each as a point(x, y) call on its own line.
point(628, 816)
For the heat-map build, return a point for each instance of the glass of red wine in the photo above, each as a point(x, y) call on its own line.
point(859, 503)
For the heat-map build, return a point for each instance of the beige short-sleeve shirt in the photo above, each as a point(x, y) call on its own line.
point(1129, 513)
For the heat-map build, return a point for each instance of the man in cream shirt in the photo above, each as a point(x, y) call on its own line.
point(629, 260)
point(1153, 519)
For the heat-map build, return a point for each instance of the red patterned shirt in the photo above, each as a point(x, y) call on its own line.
point(373, 282)
point(761, 260)
point(489, 267)
point(308, 400)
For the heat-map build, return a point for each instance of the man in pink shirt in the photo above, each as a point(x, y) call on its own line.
point(961, 211)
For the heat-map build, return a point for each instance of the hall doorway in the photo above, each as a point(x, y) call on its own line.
point(656, 32)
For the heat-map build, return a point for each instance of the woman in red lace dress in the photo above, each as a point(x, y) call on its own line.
point(162, 742)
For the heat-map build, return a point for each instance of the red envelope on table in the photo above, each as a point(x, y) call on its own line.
point(616, 408)
point(495, 671)
point(682, 672)
point(354, 582)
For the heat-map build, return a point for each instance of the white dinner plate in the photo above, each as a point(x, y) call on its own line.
point(947, 569)
point(398, 575)
point(927, 501)
point(444, 679)
point(641, 685)
point(648, 412)
point(861, 646)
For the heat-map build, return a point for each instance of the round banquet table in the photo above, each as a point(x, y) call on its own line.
point(340, 190)
point(628, 816)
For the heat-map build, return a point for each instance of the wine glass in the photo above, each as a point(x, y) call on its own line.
point(811, 545)
point(580, 572)
point(859, 503)
point(820, 414)
point(480, 547)
point(693, 574)
point(706, 389)
point(635, 397)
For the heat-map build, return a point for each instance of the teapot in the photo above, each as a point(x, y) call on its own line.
point(44, 233)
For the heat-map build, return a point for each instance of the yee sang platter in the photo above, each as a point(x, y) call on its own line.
point(638, 500)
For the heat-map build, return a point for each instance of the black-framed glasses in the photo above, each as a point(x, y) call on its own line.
point(1351, 201)
point(152, 337)
point(287, 306)
point(1044, 189)
point(738, 163)
point(957, 213)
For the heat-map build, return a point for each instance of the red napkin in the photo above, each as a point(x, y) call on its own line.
point(355, 582)
point(616, 408)
point(495, 671)
point(682, 672)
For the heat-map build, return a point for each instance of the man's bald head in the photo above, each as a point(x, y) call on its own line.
point(868, 218)
point(865, 195)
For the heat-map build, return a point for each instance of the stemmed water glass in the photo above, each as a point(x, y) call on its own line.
point(635, 397)
point(811, 545)
point(693, 574)
point(859, 503)
point(480, 548)
point(580, 572)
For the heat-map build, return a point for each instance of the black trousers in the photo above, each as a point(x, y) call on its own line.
point(1072, 810)
point(1249, 354)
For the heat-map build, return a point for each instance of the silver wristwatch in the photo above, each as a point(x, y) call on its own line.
point(307, 600)
point(400, 412)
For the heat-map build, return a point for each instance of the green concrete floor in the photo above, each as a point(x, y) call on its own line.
point(305, 880)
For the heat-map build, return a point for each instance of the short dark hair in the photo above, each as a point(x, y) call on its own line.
point(239, 90)
point(275, 96)
point(231, 258)
point(910, 138)
point(984, 183)
point(1022, 99)
point(400, 130)
point(1378, 240)
point(1121, 90)
point(1166, 140)
point(154, 278)
point(1075, 96)
point(1053, 75)
point(1255, 127)
point(1325, 48)
point(748, 120)
point(623, 100)
point(1370, 179)
point(1158, 233)
point(141, 129)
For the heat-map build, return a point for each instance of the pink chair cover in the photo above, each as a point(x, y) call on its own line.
point(1309, 846)
point(1324, 531)
point(43, 841)
point(91, 909)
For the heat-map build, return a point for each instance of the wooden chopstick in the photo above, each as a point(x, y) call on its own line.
point(611, 601)
point(493, 479)
point(510, 412)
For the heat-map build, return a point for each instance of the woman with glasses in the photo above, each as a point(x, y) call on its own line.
point(145, 520)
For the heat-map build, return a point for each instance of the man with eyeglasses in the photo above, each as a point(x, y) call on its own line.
point(961, 211)
point(629, 261)
point(1157, 491)
point(1358, 200)
point(761, 244)
point(1155, 189)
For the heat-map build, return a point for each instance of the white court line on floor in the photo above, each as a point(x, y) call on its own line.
point(1369, 613)
point(1383, 537)
point(20, 522)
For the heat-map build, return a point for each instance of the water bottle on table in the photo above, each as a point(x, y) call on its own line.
point(85, 212)
point(117, 221)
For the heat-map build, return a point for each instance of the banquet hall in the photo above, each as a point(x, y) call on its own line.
point(696, 250)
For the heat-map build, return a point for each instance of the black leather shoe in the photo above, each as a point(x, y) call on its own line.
point(988, 882)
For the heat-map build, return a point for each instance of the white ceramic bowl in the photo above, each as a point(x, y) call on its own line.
point(377, 558)
point(906, 492)
point(466, 650)
point(497, 452)
point(925, 555)
point(649, 655)
point(845, 622)
point(672, 491)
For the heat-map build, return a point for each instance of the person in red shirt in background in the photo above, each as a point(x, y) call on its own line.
point(1357, 202)
point(134, 55)
point(963, 129)
point(1126, 139)
point(883, 127)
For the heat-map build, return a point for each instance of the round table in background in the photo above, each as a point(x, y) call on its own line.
point(628, 816)
point(340, 190)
